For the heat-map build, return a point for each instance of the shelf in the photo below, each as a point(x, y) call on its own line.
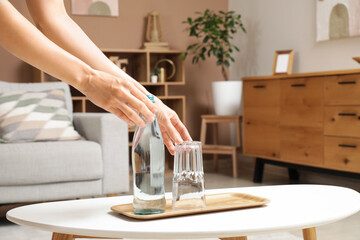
point(171, 97)
point(152, 84)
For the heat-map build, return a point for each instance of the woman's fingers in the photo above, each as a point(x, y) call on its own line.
point(117, 112)
point(140, 107)
point(180, 127)
point(167, 141)
point(132, 115)
point(171, 130)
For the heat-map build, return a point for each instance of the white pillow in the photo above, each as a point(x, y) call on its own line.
point(35, 116)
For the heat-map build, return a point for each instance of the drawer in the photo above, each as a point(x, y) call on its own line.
point(301, 102)
point(261, 118)
point(342, 121)
point(302, 145)
point(342, 154)
point(261, 93)
point(261, 132)
point(342, 90)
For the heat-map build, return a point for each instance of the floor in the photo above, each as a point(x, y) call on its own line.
point(347, 229)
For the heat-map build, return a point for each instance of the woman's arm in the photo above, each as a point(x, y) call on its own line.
point(112, 93)
point(51, 18)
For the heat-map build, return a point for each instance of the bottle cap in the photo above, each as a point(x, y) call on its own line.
point(151, 97)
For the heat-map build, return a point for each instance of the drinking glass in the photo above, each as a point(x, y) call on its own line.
point(188, 180)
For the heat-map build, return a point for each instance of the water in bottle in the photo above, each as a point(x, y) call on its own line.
point(148, 163)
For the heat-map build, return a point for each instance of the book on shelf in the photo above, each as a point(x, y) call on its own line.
point(156, 45)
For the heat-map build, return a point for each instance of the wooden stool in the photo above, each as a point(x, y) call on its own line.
point(220, 149)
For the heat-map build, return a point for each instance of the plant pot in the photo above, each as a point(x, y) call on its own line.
point(154, 78)
point(227, 97)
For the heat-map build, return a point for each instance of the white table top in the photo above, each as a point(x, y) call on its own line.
point(291, 207)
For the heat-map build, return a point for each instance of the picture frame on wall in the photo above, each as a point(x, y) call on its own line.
point(283, 62)
point(107, 8)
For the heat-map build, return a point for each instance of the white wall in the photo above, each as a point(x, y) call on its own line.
point(286, 24)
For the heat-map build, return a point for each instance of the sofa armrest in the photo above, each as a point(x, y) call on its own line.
point(112, 134)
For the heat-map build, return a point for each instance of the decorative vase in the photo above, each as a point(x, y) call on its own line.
point(227, 96)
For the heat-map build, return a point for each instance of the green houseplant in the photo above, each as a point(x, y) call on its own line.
point(214, 32)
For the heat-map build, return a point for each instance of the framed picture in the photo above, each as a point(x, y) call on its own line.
point(337, 19)
point(283, 62)
point(95, 7)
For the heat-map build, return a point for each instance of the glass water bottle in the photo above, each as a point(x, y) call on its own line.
point(148, 163)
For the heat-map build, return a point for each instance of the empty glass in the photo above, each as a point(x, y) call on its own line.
point(188, 180)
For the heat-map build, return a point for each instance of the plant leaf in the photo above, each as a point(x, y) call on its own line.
point(206, 39)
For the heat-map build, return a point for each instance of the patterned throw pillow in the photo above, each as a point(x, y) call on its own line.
point(35, 116)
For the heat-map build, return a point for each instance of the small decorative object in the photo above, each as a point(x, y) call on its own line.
point(121, 63)
point(155, 75)
point(153, 30)
point(283, 62)
point(95, 7)
point(357, 59)
point(154, 33)
point(154, 78)
point(214, 32)
point(337, 19)
point(163, 76)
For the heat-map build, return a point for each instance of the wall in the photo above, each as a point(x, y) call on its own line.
point(127, 32)
point(287, 24)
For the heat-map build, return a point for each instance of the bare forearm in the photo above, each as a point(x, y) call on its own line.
point(22, 39)
point(52, 19)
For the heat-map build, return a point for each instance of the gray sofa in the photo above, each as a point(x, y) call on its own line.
point(45, 171)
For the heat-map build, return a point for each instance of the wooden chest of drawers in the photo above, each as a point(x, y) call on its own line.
point(308, 119)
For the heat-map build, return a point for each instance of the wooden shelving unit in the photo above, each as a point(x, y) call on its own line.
point(140, 64)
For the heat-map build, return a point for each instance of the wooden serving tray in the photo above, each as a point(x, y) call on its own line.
point(214, 203)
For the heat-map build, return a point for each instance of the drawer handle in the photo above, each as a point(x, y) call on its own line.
point(298, 85)
point(347, 146)
point(259, 86)
point(347, 82)
point(347, 114)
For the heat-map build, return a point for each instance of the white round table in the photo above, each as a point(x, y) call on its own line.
point(291, 207)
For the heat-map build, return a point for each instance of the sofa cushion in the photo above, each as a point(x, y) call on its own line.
point(49, 162)
point(35, 116)
point(30, 87)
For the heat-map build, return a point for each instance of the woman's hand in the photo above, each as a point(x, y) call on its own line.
point(172, 129)
point(118, 96)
